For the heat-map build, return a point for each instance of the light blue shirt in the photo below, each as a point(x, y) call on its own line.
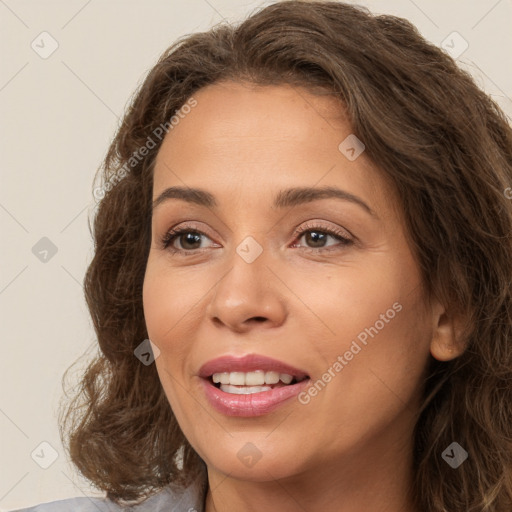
point(168, 500)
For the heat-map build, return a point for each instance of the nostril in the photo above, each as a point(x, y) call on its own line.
point(259, 318)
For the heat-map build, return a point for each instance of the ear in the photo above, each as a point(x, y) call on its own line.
point(446, 343)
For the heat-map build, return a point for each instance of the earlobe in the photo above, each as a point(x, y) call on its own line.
point(446, 341)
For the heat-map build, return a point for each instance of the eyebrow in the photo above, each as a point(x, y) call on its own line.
point(283, 199)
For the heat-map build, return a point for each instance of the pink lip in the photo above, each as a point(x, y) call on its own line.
point(255, 404)
point(248, 363)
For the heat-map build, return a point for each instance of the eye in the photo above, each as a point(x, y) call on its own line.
point(317, 236)
point(189, 238)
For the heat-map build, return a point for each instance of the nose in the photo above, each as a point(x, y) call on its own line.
point(248, 296)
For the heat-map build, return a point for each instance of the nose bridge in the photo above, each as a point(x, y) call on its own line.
point(251, 249)
point(247, 290)
point(248, 277)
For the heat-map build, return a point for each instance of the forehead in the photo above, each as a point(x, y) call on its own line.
point(238, 112)
point(245, 139)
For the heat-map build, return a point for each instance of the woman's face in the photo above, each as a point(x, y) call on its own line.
point(281, 280)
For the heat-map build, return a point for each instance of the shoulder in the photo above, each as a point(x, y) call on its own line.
point(167, 500)
point(82, 504)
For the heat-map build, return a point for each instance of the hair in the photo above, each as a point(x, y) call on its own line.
point(445, 146)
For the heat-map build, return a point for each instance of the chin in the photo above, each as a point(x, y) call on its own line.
point(244, 457)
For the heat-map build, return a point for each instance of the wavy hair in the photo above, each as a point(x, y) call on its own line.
point(447, 149)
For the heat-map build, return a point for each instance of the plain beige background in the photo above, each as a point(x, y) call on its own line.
point(58, 115)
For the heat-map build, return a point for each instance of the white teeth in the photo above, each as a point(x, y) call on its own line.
point(285, 378)
point(271, 377)
point(245, 390)
point(255, 378)
point(237, 378)
point(223, 378)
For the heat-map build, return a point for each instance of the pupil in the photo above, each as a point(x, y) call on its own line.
point(191, 238)
point(316, 237)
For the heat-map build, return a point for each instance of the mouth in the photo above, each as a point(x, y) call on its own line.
point(258, 381)
point(252, 385)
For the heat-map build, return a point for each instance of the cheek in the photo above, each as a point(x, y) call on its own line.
point(384, 350)
point(339, 303)
point(171, 299)
point(155, 301)
point(163, 309)
point(375, 321)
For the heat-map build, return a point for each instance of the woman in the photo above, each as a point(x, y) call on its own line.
point(307, 216)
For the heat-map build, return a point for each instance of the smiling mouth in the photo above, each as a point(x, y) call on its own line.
point(258, 381)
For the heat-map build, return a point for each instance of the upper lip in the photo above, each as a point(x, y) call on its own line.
point(248, 363)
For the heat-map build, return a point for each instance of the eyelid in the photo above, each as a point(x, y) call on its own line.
point(312, 225)
point(344, 236)
point(179, 229)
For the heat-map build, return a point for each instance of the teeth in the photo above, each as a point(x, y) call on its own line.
point(256, 378)
point(285, 378)
point(224, 378)
point(271, 377)
point(237, 378)
point(245, 390)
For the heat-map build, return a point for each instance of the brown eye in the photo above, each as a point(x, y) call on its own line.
point(190, 240)
point(316, 237)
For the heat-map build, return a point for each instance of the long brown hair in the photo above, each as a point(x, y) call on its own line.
point(447, 149)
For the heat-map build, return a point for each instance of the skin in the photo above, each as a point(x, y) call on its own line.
point(350, 448)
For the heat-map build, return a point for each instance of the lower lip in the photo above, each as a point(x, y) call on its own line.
point(255, 404)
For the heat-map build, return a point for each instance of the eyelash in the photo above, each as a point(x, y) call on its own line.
point(172, 234)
